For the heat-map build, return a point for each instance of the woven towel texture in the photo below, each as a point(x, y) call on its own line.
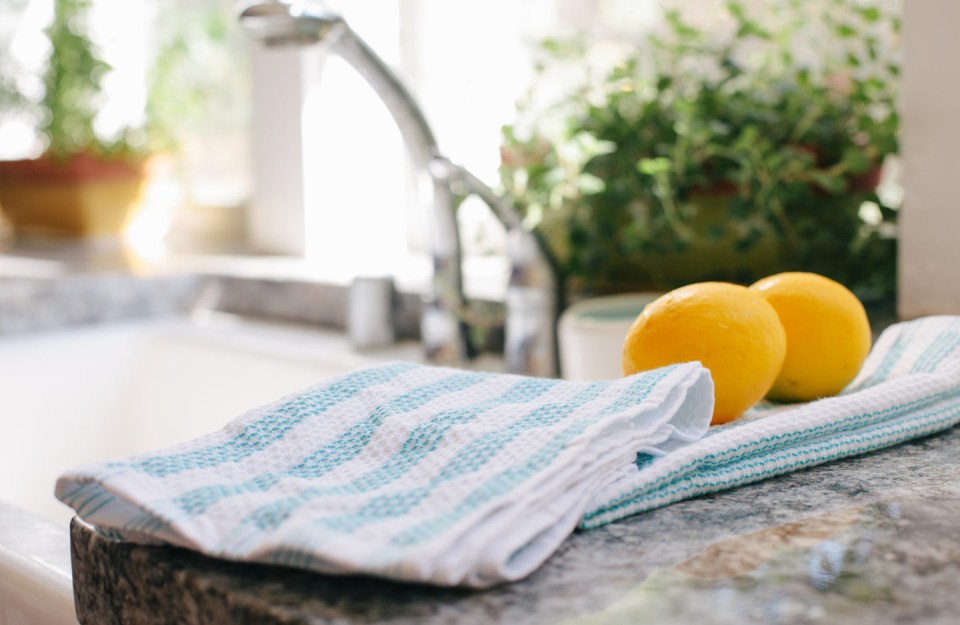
point(401, 470)
point(909, 387)
point(463, 478)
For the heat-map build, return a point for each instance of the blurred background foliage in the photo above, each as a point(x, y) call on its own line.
point(716, 154)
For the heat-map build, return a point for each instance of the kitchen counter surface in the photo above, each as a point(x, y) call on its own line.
point(872, 539)
point(61, 287)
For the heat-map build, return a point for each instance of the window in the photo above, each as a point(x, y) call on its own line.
point(466, 62)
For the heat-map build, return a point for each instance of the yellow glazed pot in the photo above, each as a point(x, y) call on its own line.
point(713, 254)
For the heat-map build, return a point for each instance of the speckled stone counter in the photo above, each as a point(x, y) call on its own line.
point(60, 291)
point(57, 287)
point(30, 305)
point(873, 539)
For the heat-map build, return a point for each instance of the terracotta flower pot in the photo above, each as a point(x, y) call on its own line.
point(80, 196)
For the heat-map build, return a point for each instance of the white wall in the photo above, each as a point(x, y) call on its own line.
point(276, 218)
point(930, 219)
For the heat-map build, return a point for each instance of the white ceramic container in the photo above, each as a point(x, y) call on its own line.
point(592, 332)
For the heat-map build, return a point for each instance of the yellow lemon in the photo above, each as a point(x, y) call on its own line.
point(730, 329)
point(828, 334)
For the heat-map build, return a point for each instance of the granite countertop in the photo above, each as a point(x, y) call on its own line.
point(872, 539)
point(55, 287)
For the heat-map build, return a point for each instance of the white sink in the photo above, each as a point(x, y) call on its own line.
point(97, 393)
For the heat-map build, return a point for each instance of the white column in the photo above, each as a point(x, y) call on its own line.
point(930, 219)
point(281, 79)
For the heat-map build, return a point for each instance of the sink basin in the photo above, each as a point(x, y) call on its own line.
point(20, 268)
point(98, 393)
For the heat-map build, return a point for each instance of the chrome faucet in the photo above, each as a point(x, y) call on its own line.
point(532, 292)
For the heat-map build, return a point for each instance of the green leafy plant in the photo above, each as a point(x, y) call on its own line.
point(72, 90)
point(182, 92)
point(617, 173)
point(180, 89)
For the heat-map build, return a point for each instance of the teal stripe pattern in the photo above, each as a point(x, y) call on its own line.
point(423, 440)
point(453, 477)
point(508, 478)
point(369, 471)
point(261, 433)
point(879, 409)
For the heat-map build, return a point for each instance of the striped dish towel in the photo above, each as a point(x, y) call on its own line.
point(402, 470)
point(460, 478)
point(908, 387)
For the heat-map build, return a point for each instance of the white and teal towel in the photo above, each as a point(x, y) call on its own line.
point(909, 387)
point(461, 478)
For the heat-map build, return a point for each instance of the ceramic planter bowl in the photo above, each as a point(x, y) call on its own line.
point(591, 335)
point(80, 197)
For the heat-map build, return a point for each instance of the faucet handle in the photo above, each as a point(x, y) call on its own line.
point(532, 306)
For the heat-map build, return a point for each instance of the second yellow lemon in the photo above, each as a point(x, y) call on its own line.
point(828, 335)
point(732, 330)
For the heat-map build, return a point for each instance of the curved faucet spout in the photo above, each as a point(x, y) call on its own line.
point(531, 297)
point(279, 23)
point(298, 23)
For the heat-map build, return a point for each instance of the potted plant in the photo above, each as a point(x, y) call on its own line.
point(82, 185)
point(697, 156)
